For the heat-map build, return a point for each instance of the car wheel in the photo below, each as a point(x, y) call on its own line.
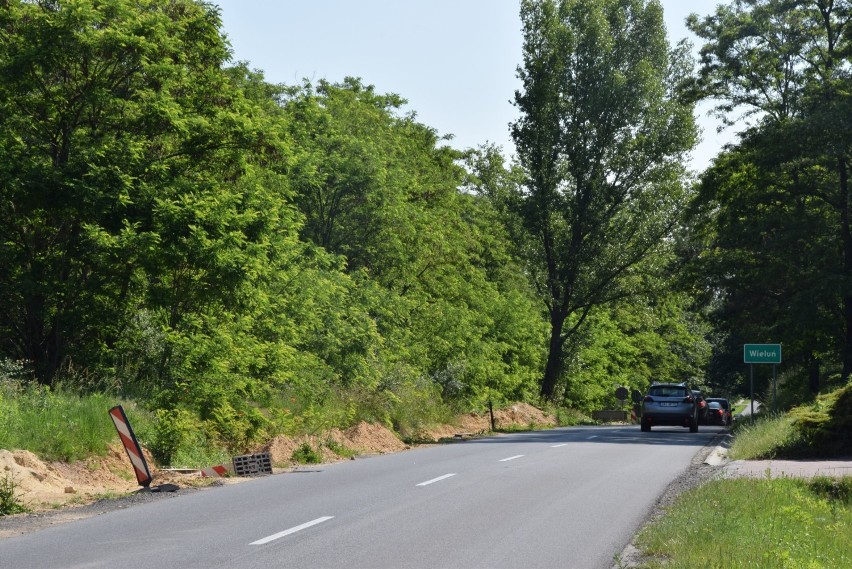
point(645, 427)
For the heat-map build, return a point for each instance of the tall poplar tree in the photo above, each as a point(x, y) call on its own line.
point(602, 138)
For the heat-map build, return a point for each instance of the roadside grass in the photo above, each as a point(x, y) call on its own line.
point(821, 428)
point(767, 523)
point(568, 417)
point(200, 454)
point(762, 438)
point(738, 407)
point(59, 424)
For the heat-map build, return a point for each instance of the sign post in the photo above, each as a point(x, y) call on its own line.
point(762, 354)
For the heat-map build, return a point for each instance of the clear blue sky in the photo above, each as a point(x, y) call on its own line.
point(453, 60)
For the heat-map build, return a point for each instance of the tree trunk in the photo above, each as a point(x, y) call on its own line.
point(847, 346)
point(37, 340)
point(554, 355)
point(846, 238)
point(813, 373)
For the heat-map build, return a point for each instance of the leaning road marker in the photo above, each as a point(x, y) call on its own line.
point(131, 445)
point(134, 452)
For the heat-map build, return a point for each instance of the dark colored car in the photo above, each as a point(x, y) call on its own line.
point(725, 406)
point(671, 404)
point(702, 406)
point(716, 414)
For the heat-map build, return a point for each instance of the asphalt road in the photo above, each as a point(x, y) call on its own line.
point(569, 498)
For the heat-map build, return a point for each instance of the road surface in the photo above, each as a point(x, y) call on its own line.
point(570, 497)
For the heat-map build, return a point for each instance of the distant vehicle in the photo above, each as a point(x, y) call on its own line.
point(726, 408)
point(670, 404)
point(716, 414)
point(702, 406)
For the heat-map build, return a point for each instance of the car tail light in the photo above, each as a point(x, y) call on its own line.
point(688, 399)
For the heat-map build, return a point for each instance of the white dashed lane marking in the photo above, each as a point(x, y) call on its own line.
point(438, 479)
point(511, 458)
point(292, 530)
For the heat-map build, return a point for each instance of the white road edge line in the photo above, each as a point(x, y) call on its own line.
point(511, 458)
point(438, 479)
point(562, 445)
point(291, 530)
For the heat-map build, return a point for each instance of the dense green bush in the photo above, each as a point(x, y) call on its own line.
point(826, 425)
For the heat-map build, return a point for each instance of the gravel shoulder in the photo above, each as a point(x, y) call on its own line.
point(19, 524)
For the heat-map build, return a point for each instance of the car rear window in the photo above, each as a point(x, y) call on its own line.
point(715, 405)
point(667, 391)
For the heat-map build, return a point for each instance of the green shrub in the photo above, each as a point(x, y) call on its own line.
point(179, 438)
point(9, 501)
point(339, 449)
point(833, 489)
point(415, 405)
point(306, 454)
point(173, 429)
point(825, 426)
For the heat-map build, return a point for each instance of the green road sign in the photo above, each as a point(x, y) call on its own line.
point(762, 353)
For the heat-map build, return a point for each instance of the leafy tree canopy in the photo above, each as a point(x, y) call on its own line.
point(601, 137)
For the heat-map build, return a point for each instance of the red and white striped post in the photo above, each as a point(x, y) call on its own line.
point(131, 445)
point(217, 471)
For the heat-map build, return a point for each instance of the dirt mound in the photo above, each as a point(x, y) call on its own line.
point(372, 438)
point(51, 484)
point(363, 438)
point(282, 447)
point(517, 416)
point(523, 415)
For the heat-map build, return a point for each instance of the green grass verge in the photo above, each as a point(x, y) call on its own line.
point(763, 438)
point(58, 424)
point(822, 428)
point(783, 523)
